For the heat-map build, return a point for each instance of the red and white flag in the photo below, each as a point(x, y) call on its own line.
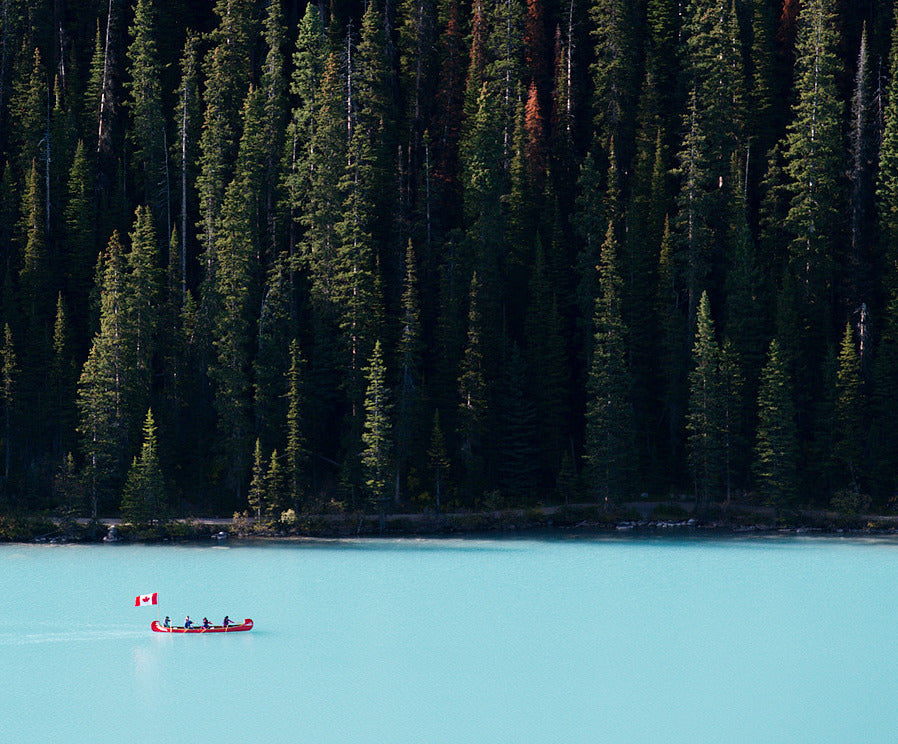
point(145, 599)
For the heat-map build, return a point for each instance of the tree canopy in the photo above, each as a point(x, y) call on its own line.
point(443, 253)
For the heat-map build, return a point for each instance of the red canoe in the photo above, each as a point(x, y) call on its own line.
point(159, 628)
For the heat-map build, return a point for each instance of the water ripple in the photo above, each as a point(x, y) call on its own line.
point(82, 635)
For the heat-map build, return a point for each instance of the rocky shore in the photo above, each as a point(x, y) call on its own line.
point(570, 520)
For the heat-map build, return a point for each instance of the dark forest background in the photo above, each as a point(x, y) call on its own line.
point(439, 254)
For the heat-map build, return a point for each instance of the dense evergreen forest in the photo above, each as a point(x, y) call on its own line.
point(437, 253)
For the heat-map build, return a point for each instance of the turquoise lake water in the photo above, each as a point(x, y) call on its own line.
point(576, 640)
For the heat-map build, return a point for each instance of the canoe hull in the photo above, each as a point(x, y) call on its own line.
point(158, 627)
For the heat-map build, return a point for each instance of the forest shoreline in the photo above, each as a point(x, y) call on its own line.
point(637, 518)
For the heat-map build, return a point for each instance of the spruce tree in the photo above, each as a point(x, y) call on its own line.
point(256, 495)
point(776, 448)
point(35, 303)
point(143, 291)
point(449, 104)
point(614, 82)
point(610, 434)
point(409, 393)
point(105, 387)
point(887, 177)
point(305, 85)
point(274, 488)
point(90, 120)
point(378, 435)
point(144, 496)
point(863, 134)
point(232, 295)
point(80, 242)
point(438, 459)
point(272, 355)
point(227, 70)
point(705, 418)
point(8, 379)
point(30, 102)
point(473, 406)
point(63, 379)
point(148, 130)
point(673, 356)
point(850, 433)
point(274, 88)
point(296, 452)
point(187, 124)
point(815, 166)
point(733, 414)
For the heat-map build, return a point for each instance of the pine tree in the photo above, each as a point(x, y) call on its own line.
point(305, 85)
point(187, 123)
point(850, 432)
point(449, 103)
point(80, 237)
point(613, 27)
point(815, 166)
point(93, 91)
point(34, 278)
point(663, 57)
point(863, 145)
point(378, 436)
point(438, 458)
point(713, 131)
point(417, 67)
point(233, 294)
point(272, 356)
point(274, 89)
point(762, 111)
point(321, 207)
point(610, 433)
point(732, 421)
point(62, 384)
point(143, 497)
point(274, 488)
point(35, 302)
point(148, 131)
point(30, 100)
point(143, 290)
point(256, 496)
point(473, 407)
point(887, 180)
point(296, 452)
point(776, 449)
point(227, 69)
point(705, 416)
point(105, 385)
point(8, 378)
point(408, 396)
point(673, 354)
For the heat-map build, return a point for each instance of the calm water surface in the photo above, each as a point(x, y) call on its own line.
point(605, 640)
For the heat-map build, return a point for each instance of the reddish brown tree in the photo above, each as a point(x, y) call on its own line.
point(535, 142)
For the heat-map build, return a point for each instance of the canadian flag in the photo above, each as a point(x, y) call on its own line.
point(145, 599)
